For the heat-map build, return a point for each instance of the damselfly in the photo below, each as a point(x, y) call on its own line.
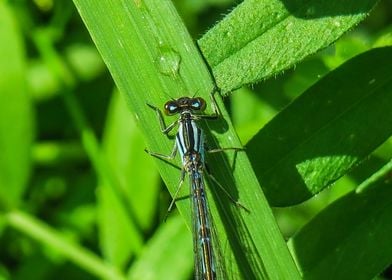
point(189, 142)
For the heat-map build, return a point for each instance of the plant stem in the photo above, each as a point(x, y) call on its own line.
point(46, 235)
point(380, 174)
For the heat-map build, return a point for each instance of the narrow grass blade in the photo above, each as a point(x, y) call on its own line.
point(53, 239)
point(152, 59)
point(172, 244)
point(123, 145)
point(16, 115)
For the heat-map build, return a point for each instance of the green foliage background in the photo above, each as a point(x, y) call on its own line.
point(80, 199)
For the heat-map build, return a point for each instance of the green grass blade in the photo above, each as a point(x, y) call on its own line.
point(118, 255)
point(123, 145)
point(16, 115)
point(260, 38)
point(55, 240)
point(350, 239)
point(172, 244)
point(119, 239)
point(329, 129)
point(381, 173)
point(152, 58)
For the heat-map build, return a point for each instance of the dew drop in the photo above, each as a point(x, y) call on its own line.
point(169, 61)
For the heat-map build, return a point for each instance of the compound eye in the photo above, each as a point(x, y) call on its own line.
point(171, 108)
point(198, 104)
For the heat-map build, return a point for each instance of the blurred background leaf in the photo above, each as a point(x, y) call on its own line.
point(16, 113)
point(124, 149)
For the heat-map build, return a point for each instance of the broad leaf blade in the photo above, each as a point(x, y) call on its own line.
point(326, 131)
point(260, 38)
point(350, 239)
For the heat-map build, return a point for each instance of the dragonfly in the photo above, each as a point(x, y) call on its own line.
point(189, 143)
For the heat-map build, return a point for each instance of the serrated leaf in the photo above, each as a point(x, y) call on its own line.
point(329, 129)
point(260, 38)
